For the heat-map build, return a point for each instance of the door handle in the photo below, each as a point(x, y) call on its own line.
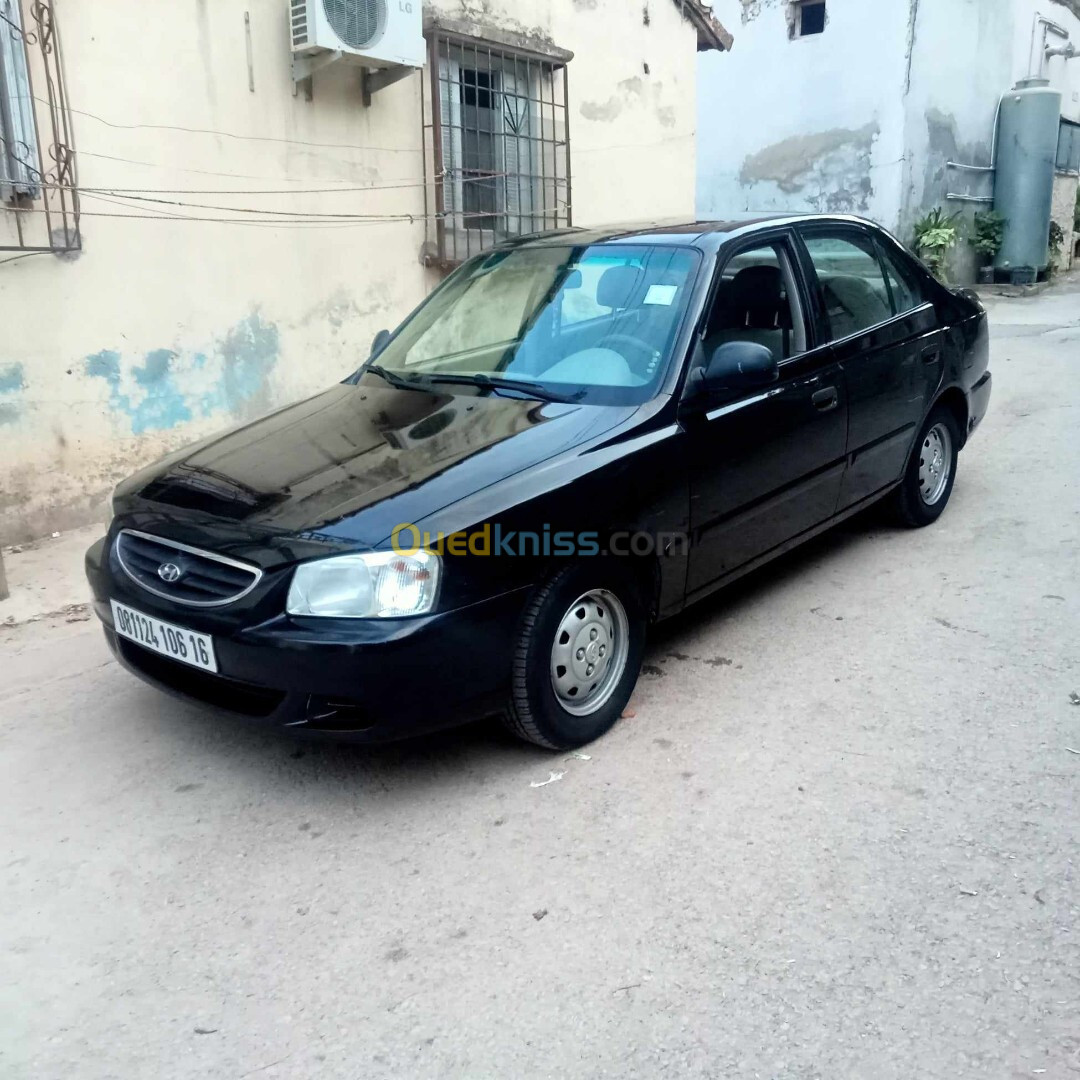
point(931, 356)
point(826, 399)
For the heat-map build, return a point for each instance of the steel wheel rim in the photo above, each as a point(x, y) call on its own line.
point(935, 464)
point(589, 653)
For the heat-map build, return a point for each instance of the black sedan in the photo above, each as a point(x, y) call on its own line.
point(575, 435)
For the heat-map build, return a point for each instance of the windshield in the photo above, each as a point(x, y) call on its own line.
point(594, 324)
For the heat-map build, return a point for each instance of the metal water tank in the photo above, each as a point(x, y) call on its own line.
point(1024, 185)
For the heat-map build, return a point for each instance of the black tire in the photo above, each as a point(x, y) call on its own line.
point(534, 711)
point(909, 503)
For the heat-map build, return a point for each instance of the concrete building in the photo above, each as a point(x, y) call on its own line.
point(222, 241)
point(874, 108)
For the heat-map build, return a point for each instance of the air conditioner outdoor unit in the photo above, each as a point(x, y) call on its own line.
point(375, 33)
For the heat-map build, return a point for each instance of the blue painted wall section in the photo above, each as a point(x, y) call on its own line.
point(168, 388)
point(12, 384)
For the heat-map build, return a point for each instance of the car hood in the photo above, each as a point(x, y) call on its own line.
point(353, 462)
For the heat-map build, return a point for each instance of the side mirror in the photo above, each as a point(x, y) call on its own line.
point(739, 365)
point(381, 338)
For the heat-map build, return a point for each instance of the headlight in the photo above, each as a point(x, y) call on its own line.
point(379, 584)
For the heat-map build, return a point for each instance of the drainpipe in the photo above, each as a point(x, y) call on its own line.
point(3, 579)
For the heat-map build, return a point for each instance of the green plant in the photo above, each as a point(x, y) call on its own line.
point(935, 236)
point(989, 233)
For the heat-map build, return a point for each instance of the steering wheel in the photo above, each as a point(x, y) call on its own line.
point(642, 358)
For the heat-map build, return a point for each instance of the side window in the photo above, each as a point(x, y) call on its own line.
point(905, 295)
point(852, 282)
point(757, 300)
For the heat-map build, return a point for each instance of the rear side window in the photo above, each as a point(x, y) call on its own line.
point(852, 281)
point(905, 295)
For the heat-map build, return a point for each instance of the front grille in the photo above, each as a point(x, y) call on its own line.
point(181, 573)
point(238, 697)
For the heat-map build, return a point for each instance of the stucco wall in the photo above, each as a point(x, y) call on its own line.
point(164, 330)
point(877, 105)
point(967, 54)
point(806, 124)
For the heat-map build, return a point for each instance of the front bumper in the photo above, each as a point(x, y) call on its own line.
point(361, 680)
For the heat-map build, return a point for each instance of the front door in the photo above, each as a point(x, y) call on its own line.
point(887, 340)
point(766, 465)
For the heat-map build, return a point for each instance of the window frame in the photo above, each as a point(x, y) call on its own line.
point(798, 9)
point(903, 272)
point(19, 178)
point(838, 229)
point(1067, 156)
point(786, 236)
point(34, 101)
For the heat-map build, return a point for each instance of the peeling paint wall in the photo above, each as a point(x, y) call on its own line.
point(952, 101)
point(1062, 211)
point(164, 331)
point(803, 124)
point(867, 116)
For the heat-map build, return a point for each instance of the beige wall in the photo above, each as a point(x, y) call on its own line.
point(163, 330)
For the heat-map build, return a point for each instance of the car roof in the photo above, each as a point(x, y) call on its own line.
point(708, 235)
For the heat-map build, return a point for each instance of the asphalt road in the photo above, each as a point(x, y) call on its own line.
point(838, 839)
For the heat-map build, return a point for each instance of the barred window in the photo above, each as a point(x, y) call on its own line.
point(497, 128)
point(39, 197)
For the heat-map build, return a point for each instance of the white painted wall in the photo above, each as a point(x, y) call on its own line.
point(924, 75)
point(811, 124)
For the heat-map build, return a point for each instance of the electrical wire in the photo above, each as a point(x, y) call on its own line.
point(295, 222)
point(201, 172)
point(25, 255)
point(233, 135)
point(391, 186)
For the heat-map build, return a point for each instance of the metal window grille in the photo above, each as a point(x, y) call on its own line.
point(39, 199)
point(1068, 153)
point(497, 127)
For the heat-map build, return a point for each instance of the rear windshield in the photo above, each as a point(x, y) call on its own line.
point(591, 323)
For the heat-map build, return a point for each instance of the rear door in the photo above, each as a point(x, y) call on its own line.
point(887, 341)
point(766, 463)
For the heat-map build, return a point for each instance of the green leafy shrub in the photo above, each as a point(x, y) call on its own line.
point(989, 233)
point(935, 236)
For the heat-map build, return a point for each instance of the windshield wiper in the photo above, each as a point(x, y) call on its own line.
point(496, 382)
point(391, 377)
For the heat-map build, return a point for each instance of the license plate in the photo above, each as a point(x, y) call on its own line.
point(175, 642)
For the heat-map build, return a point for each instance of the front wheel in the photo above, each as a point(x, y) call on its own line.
point(928, 482)
point(578, 656)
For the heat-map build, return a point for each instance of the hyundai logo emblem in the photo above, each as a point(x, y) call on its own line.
point(169, 572)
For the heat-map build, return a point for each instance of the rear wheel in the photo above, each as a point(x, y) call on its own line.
point(577, 658)
point(927, 485)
